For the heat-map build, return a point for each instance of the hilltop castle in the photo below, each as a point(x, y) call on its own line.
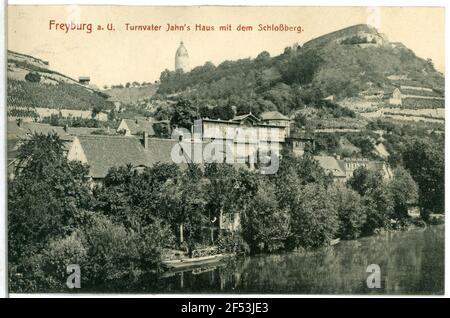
point(182, 58)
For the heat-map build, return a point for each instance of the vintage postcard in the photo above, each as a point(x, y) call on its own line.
point(225, 150)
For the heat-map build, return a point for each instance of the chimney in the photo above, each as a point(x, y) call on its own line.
point(145, 140)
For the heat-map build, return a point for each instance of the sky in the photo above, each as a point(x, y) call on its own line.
point(120, 56)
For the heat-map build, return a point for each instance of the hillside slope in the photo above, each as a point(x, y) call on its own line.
point(133, 95)
point(31, 84)
point(348, 63)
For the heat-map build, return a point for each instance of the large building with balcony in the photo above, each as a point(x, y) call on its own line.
point(244, 139)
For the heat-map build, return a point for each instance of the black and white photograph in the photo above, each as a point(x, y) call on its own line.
point(225, 150)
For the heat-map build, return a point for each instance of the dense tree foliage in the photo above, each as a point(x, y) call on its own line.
point(376, 198)
point(265, 225)
point(55, 220)
point(425, 161)
point(351, 212)
point(404, 193)
point(314, 217)
point(184, 114)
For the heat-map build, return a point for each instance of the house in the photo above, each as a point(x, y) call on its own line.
point(246, 138)
point(18, 131)
point(394, 97)
point(342, 169)
point(332, 166)
point(298, 145)
point(230, 221)
point(351, 164)
point(102, 152)
point(276, 118)
point(132, 127)
point(84, 80)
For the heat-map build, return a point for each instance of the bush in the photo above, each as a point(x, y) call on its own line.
point(33, 77)
point(228, 242)
point(52, 263)
point(153, 239)
point(112, 252)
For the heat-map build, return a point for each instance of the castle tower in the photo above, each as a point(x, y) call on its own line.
point(182, 58)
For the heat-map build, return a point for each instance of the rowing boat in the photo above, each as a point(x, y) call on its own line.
point(194, 261)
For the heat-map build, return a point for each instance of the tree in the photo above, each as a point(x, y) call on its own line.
point(301, 68)
point(314, 217)
point(379, 210)
point(360, 180)
point(351, 211)
point(33, 77)
point(263, 58)
point(184, 114)
point(221, 112)
point(161, 130)
point(376, 198)
point(97, 109)
point(425, 161)
point(293, 173)
point(223, 190)
point(47, 197)
point(132, 198)
point(265, 226)
point(112, 116)
point(183, 200)
point(404, 192)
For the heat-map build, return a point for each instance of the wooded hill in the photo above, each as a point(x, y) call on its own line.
point(343, 64)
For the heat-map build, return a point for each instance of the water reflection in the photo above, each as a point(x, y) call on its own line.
point(411, 263)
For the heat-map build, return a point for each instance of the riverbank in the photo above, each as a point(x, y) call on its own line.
point(411, 262)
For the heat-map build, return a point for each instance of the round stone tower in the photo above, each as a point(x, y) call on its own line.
point(182, 58)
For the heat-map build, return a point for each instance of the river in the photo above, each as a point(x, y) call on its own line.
point(411, 262)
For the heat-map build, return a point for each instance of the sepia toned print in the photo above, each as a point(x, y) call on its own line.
point(234, 150)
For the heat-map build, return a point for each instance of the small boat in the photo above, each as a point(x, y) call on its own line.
point(194, 261)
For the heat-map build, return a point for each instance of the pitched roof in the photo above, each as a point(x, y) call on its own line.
point(159, 150)
point(330, 164)
point(140, 125)
point(245, 116)
point(273, 116)
point(105, 152)
point(26, 128)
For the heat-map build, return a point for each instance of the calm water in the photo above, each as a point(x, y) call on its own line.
point(411, 262)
